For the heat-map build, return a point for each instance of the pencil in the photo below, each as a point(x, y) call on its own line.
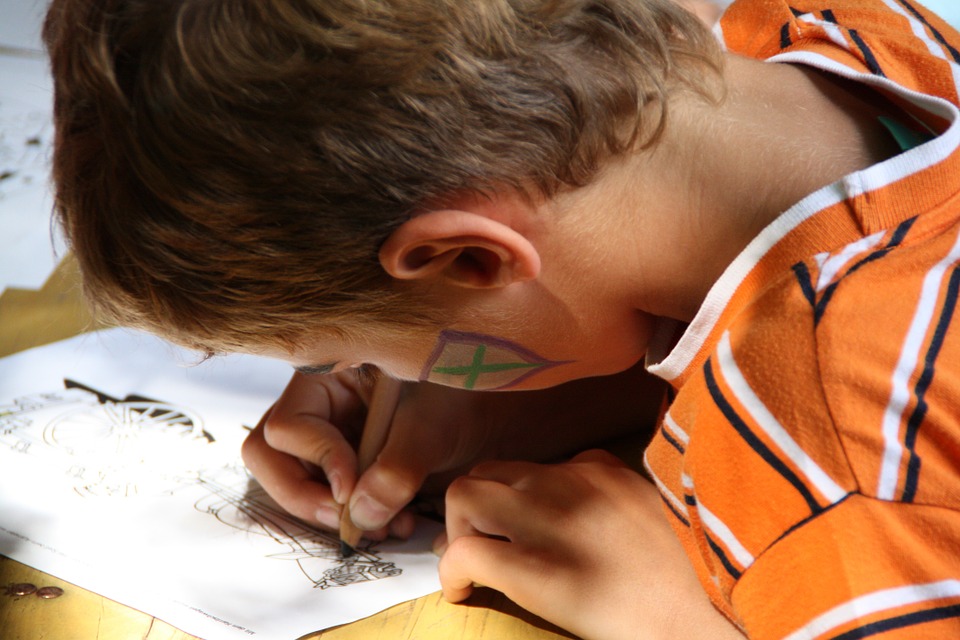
point(383, 403)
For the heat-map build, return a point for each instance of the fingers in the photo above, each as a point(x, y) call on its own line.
point(499, 534)
point(300, 443)
point(382, 491)
point(285, 478)
point(521, 515)
point(317, 442)
point(479, 506)
point(487, 529)
point(413, 450)
point(567, 543)
point(474, 560)
point(306, 439)
point(303, 441)
point(308, 422)
point(400, 526)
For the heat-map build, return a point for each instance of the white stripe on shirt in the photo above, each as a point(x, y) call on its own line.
point(671, 425)
point(772, 427)
point(906, 365)
point(723, 533)
point(718, 528)
point(934, 47)
point(872, 603)
point(831, 265)
point(833, 31)
point(664, 491)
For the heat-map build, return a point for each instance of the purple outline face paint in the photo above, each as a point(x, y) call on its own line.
point(481, 362)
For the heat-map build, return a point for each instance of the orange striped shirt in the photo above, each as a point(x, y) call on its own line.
point(810, 457)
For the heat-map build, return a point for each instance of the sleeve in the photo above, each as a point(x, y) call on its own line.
point(864, 568)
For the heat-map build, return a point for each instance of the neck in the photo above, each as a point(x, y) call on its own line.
point(723, 172)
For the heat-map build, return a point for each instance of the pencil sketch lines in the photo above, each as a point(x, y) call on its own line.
point(241, 503)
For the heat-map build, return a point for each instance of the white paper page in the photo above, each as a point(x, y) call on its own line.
point(139, 494)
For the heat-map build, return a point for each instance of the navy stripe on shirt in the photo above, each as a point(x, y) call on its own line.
point(872, 64)
point(926, 378)
point(754, 441)
point(901, 622)
point(785, 41)
point(673, 441)
point(936, 34)
point(674, 511)
point(895, 241)
point(722, 557)
point(868, 56)
point(805, 280)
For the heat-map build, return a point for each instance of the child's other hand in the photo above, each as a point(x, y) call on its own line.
point(584, 544)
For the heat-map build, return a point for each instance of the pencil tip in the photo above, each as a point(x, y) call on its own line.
point(346, 550)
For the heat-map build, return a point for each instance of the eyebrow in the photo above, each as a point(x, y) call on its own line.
point(315, 369)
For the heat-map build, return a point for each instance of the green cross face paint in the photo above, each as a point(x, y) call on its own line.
point(481, 362)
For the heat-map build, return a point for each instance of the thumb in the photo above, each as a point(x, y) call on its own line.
point(410, 454)
point(383, 490)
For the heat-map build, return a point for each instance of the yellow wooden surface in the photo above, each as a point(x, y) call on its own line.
point(33, 318)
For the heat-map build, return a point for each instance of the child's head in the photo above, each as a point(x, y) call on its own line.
point(227, 169)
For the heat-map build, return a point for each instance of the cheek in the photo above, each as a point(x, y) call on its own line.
point(483, 362)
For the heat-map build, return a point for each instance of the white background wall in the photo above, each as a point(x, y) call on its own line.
point(949, 10)
point(20, 23)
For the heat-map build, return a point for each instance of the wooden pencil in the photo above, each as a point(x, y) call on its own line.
point(383, 404)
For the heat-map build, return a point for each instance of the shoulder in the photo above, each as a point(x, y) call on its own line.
point(888, 38)
point(840, 376)
point(857, 353)
point(889, 358)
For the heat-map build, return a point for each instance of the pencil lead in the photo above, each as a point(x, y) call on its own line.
point(346, 550)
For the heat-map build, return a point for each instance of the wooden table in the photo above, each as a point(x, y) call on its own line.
point(33, 318)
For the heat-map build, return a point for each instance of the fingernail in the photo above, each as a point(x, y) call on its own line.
point(368, 514)
point(328, 517)
point(335, 484)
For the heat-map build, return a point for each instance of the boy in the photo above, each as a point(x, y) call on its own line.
point(524, 195)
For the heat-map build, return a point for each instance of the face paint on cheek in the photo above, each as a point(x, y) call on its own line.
point(481, 362)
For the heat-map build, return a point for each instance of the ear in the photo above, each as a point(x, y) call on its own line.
point(464, 248)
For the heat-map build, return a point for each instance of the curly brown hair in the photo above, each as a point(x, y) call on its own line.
point(225, 170)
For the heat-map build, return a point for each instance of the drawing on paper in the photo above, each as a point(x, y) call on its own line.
point(108, 446)
point(238, 501)
point(137, 446)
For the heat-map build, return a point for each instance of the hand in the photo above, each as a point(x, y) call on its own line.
point(584, 545)
point(302, 452)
